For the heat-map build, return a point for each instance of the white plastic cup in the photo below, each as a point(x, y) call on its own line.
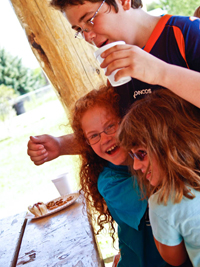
point(62, 183)
point(111, 77)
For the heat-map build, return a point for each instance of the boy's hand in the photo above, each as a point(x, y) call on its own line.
point(43, 148)
point(133, 62)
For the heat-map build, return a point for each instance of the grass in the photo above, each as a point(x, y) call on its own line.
point(20, 179)
point(21, 182)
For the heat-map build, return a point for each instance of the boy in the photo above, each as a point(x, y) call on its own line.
point(172, 61)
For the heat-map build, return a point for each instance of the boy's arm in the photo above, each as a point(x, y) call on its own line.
point(143, 66)
point(181, 81)
point(45, 147)
point(175, 255)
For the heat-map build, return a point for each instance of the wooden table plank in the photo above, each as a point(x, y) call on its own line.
point(11, 231)
point(61, 239)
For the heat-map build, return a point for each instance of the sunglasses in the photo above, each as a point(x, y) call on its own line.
point(140, 154)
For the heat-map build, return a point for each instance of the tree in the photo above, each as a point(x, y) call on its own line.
point(14, 75)
point(153, 5)
point(178, 7)
point(6, 96)
point(68, 63)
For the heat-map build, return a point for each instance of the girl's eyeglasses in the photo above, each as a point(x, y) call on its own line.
point(140, 154)
point(110, 129)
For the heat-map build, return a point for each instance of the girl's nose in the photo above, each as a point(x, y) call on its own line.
point(137, 164)
point(105, 138)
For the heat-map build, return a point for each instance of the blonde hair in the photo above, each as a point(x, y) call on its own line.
point(168, 127)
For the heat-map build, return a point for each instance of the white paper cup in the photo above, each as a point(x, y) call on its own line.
point(111, 77)
point(62, 183)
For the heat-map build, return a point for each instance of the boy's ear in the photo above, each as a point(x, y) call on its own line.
point(126, 4)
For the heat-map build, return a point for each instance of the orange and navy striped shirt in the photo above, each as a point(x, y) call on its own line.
point(176, 40)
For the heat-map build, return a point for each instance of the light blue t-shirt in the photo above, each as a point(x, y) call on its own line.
point(173, 223)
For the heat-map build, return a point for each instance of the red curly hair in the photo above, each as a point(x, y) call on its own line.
point(91, 164)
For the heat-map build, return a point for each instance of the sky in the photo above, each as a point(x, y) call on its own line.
point(13, 37)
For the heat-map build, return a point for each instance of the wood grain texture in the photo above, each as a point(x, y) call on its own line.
point(61, 239)
point(11, 229)
point(69, 63)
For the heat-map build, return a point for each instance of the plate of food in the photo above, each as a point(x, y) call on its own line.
point(40, 209)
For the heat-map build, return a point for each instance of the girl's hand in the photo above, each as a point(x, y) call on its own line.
point(116, 260)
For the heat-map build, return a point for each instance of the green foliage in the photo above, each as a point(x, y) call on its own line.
point(179, 7)
point(153, 5)
point(41, 77)
point(6, 95)
point(14, 75)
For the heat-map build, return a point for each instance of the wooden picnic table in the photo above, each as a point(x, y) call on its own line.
point(65, 238)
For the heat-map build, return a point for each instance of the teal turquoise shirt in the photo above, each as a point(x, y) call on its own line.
point(122, 196)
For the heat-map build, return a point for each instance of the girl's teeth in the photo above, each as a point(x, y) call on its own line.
point(111, 148)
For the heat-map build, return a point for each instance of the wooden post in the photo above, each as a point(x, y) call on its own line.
point(69, 63)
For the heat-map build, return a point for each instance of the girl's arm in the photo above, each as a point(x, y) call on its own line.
point(174, 255)
point(116, 260)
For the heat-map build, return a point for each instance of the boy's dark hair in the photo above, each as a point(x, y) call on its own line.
point(62, 4)
point(197, 12)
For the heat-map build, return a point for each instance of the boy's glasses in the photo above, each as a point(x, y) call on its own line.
point(90, 24)
point(95, 138)
point(140, 154)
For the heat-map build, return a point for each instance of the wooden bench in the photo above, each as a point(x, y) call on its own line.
point(65, 238)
